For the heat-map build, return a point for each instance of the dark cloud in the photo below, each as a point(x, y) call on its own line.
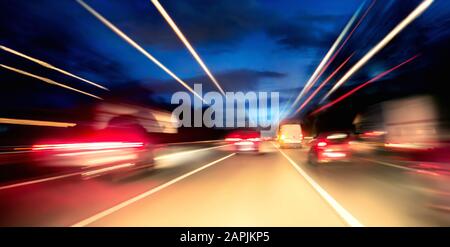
point(222, 23)
point(202, 21)
point(320, 18)
point(295, 36)
point(46, 30)
point(234, 80)
point(306, 30)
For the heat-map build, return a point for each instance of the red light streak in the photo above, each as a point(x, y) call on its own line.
point(348, 94)
point(340, 47)
point(87, 146)
point(322, 85)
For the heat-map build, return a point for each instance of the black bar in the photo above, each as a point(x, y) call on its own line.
point(235, 236)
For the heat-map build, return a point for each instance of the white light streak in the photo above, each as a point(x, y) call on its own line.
point(47, 80)
point(49, 66)
point(186, 43)
point(309, 84)
point(136, 46)
point(412, 16)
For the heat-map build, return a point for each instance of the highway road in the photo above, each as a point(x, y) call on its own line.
point(94, 92)
point(207, 184)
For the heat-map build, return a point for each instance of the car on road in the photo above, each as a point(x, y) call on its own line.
point(96, 152)
point(117, 139)
point(330, 147)
point(290, 135)
point(245, 140)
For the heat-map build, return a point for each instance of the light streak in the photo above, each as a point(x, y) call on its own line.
point(348, 94)
point(87, 153)
point(186, 43)
point(49, 66)
point(47, 80)
point(136, 46)
point(314, 76)
point(412, 16)
point(342, 45)
point(322, 85)
point(36, 122)
point(87, 146)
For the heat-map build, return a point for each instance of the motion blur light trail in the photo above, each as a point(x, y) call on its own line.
point(336, 53)
point(47, 80)
point(136, 46)
point(411, 17)
point(88, 146)
point(49, 66)
point(348, 94)
point(323, 84)
point(324, 61)
point(186, 43)
point(36, 122)
point(96, 148)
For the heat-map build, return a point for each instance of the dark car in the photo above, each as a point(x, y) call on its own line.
point(330, 147)
point(97, 152)
point(245, 140)
point(116, 139)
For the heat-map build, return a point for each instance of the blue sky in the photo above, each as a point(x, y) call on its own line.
point(249, 45)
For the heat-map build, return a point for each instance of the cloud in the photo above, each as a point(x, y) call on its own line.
point(232, 81)
point(33, 28)
point(223, 23)
point(297, 36)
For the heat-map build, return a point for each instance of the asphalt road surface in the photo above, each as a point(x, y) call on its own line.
point(208, 184)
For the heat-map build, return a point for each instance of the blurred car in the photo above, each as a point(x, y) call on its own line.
point(245, 140)
point(330, 147)
point(290, 135)
point(116, 139)
point(97, 153)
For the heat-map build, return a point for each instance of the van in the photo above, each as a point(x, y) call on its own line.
point(290, 135)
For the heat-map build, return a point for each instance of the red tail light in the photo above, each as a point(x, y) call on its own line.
point(87, 146)
point(244, 137)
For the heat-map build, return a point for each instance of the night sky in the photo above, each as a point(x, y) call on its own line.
point(248, 45)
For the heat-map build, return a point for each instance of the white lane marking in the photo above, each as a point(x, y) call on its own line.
point(107, 169)
point(168, 156)
point(421, 171)
point(389, 164)
point(341, 211)
point(39, 180)
point(121, 205)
